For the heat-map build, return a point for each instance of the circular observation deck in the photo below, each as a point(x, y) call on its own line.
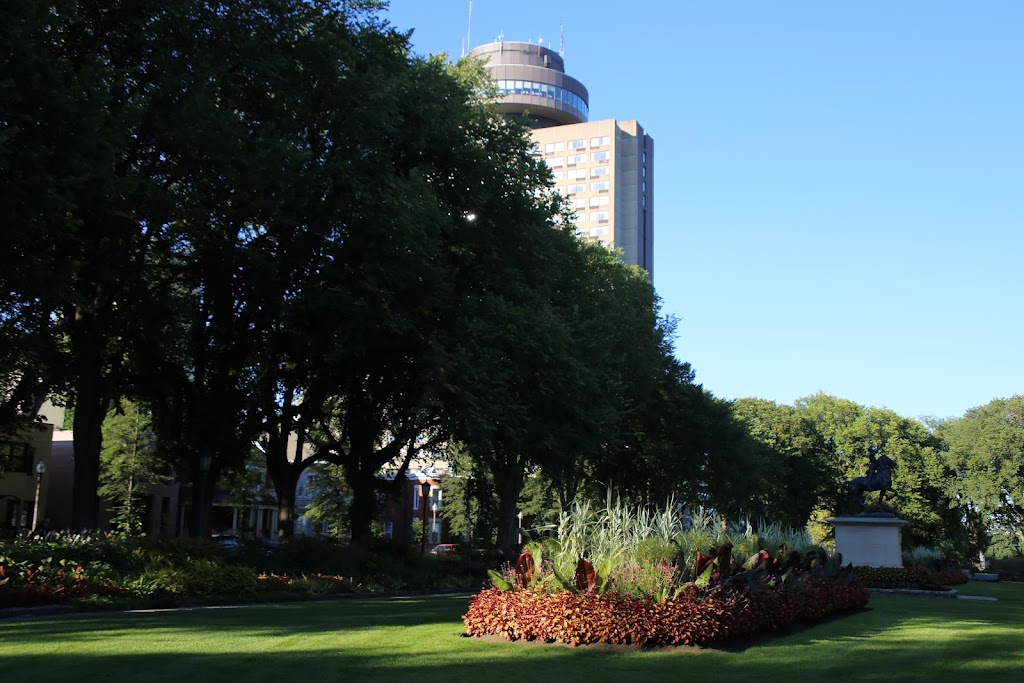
point(531, 80)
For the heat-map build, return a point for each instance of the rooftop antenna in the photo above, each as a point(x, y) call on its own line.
point(469, 27)
point(561, 38)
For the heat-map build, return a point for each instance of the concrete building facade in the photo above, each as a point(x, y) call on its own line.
point(605, 169)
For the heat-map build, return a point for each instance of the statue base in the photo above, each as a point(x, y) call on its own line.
point(870, 540)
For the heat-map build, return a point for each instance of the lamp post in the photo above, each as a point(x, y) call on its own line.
point(433, 523)
point(205, 461)
point(40, 469)
point(424, 494)
point(520, 515)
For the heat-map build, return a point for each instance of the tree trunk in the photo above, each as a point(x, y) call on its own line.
point(508, 481)
point(361, 512)
point(286, 479)
point(90, 409)
point(285, 516)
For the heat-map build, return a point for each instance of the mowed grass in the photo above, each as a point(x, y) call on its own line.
point(896, 638)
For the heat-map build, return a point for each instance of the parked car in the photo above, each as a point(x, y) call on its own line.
point(444, 549)
point(227, 542)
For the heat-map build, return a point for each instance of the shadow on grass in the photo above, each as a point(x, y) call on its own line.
point(282, 620)
point(895, 639)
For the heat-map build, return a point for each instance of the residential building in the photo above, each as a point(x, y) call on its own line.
point(418, 506)
point(24, 478)
point(605, 169)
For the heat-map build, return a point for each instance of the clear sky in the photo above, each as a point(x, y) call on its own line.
point(839, 186)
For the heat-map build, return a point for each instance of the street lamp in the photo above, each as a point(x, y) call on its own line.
point(520, 516)
point(205, 461)
point(424, 494)
point(40, 469)
point(433, 523)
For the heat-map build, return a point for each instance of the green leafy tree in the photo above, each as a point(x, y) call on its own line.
point(269, 219)
point(984, 461)
point(470, 501)
point(330, 500)
point(81, 208)
point(796, 475)
point(456, 190)
point(129, 465)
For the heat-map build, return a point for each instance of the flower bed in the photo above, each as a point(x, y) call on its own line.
point(915, 577)
point(723, 600)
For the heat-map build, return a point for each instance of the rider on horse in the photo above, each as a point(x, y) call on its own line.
point(877, 478)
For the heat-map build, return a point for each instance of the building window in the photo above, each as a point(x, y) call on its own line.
point(553, 147)
point(598, 142)
point(601, 186)
point(15, 457)
point(557, 175)
point(416, 498)
point(598, 201)
point(435, 497)
point(389, 530)
point(551, 92)
point(577, 159)
point(573, 189)
point(599, 156)
point(577, 203)
point(599, 216)
point(578, 144)
point(577, 174)
point(598, 171)
point(555, 162)
point(599, 231)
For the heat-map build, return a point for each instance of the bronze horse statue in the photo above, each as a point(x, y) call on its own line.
point(878, 478)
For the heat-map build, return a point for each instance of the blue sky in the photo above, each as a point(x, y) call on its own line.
point(839, 186)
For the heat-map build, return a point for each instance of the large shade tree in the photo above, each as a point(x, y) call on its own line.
point(82, 210)
point(984, 464)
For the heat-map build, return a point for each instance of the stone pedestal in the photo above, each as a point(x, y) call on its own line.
point(869, 540)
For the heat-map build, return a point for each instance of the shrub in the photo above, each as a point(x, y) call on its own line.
point(310, 584)
point(146, 552)
point(196, 578)
point(926, 557)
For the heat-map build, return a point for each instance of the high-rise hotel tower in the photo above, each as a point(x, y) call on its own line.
point(604, 168)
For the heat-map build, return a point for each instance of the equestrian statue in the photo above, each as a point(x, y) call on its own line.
point(878, 478)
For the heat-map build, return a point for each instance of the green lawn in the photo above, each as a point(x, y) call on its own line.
point(896, 638)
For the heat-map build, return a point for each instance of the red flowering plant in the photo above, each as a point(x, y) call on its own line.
point(48, 582)
point(654, 581)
